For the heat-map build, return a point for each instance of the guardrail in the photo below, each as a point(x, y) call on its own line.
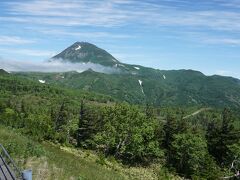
point(8, 168)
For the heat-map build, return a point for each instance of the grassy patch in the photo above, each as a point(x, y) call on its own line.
point(50, 161)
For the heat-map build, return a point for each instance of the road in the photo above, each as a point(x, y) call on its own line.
point(197, 112)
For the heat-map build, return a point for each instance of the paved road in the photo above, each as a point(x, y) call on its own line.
point(5, 171)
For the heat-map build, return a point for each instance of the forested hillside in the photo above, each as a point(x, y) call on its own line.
point(137, 84)
point(120, 89)
point(203, 145)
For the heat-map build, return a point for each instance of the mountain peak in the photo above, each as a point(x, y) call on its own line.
point(83, 43)
point(84, 52)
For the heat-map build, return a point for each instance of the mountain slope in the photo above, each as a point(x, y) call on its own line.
point(83, 52)
point(2, 72)
point(175, 88)
point(140, 85)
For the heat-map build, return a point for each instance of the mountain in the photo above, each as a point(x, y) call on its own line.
point(3, 72)
point(140, 85)
point(57, 123)
point(83, 52)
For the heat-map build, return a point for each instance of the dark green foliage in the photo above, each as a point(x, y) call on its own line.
point(149, 111)
point(169, 130)
point(221, 136)
point(191, 157)
point(183, 88)
point(128, 134)
point(87, 126)
point(62, 118)
point(195, 145)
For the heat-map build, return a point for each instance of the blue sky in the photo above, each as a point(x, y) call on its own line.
point(165, 34)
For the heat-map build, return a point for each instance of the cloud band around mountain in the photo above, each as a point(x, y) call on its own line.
point(55, 66)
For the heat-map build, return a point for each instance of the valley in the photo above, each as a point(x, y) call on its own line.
point(119, 90)
point(127, 123)
point(140, 85)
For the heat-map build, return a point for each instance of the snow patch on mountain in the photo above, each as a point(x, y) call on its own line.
point(42, 81)
point(137, 68)
point(79, 47)
point(140, 82)
point(164, 77)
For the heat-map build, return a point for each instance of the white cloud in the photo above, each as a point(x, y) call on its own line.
point(228, 73)
point(176, 15)
point(121, 12)
point(14, 40)
point(58, 32)
point(56, 66)
point(209, 38)
point(29, 52)
point(67, 13)
point(225, 41)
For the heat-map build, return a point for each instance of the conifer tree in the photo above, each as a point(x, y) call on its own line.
point(170, 129)
point(221, 137)
point(62, 118)
point(149, 111)
point(85, 125)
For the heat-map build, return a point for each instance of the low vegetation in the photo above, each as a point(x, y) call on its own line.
point(63, 134)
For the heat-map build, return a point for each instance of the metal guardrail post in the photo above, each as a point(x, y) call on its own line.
point(9, 164)
point(27, 175)
point(14, 172)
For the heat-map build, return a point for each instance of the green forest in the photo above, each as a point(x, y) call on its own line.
point(201, 145)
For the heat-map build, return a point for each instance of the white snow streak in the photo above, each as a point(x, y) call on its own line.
point(121, 65)
point(79, 47)
point(140, 82)
point(137, 68)
point(42, 81)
